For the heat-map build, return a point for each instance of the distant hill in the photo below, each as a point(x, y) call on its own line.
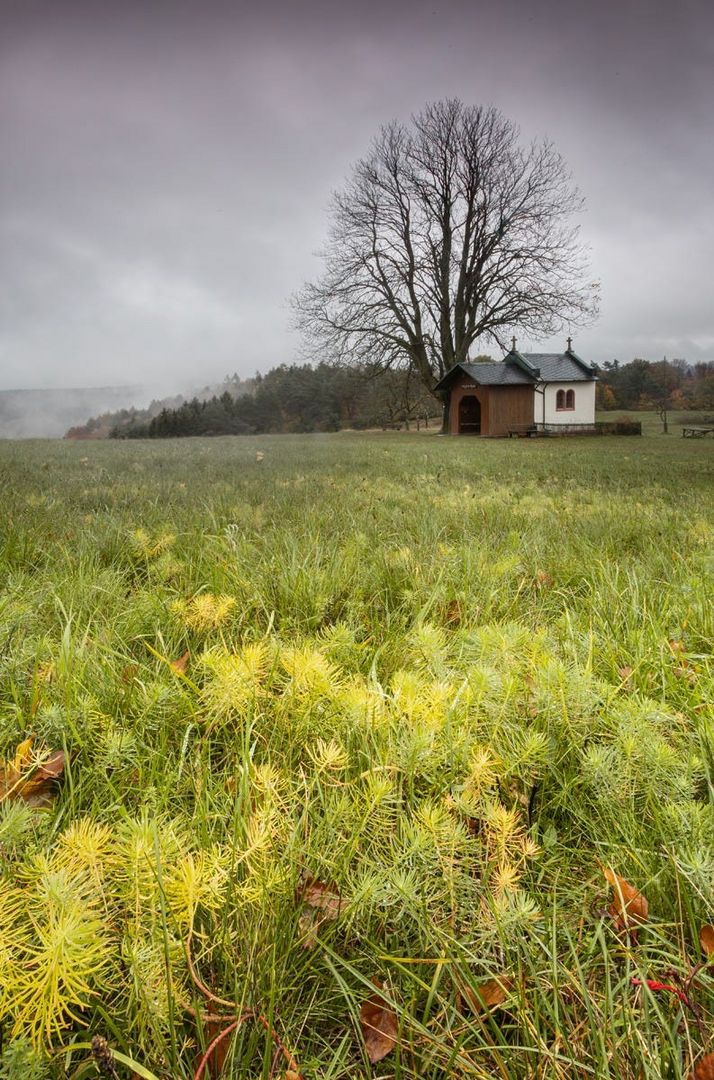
point(28, 414)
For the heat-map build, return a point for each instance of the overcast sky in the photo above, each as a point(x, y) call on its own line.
point(165, 167)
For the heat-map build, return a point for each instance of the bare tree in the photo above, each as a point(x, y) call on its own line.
point(448, 231)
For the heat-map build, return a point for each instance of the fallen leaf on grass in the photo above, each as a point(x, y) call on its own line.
point(322, 897)
point(706, 939)
point(129, 673)
point(704, 1069)
point(307, 926)
point(31, 779)
point(181, 664)
point(488, 995)
point(379, 1026)
point(628, 904)
point(625, 673)
point(324, 904)
point(453, 615)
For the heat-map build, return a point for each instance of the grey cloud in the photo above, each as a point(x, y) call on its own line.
point(166, 168)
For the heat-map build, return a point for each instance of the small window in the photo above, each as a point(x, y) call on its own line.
point(560, 400)
point(565, 400)
point(570, 399)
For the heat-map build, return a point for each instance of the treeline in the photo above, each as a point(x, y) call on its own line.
point(671, 384)
point(302, 398)
point(112, 424)
point(295, 398)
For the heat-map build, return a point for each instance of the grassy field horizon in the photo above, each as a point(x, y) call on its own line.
point(383, 756)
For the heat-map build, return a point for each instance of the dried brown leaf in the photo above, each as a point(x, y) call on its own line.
point(628, 905)
point(488, 995)
point(31, 781)
point(322, 897)
point(706, 939)
point(379, 1026)
point(625, 673)
point(704, 1069)
point(129, 673)
point(453, 614)
point(181, 664)
point(308, 925)
point(323, 904)
point(52, 767)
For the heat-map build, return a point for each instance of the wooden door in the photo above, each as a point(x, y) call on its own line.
point(469, 415)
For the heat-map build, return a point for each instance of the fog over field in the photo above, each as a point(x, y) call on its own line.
point(49, 413)
point(167, 168)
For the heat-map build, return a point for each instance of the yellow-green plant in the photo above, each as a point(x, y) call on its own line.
point(56, 953)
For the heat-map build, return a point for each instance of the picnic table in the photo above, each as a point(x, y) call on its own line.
point(696, 431)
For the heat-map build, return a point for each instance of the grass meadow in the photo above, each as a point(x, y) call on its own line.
point(347, 708)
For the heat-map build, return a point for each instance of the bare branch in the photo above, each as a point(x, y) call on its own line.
point(448, 231)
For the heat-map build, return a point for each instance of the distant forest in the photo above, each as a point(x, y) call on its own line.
point(289, 398)
point(327, 397)
point(673, 384)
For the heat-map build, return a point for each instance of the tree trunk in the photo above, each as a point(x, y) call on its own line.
point(445, 416)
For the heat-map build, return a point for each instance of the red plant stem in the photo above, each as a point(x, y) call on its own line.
point(212, 1046)
point(291, 1062)
point(248, 1014)
point(653, 984)
point(210, 996)
point(201, 985)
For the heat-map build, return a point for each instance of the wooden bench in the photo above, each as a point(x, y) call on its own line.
point(523, 431)
point(696, 432)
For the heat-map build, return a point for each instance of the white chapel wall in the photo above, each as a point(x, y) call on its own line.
point(583, 413)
